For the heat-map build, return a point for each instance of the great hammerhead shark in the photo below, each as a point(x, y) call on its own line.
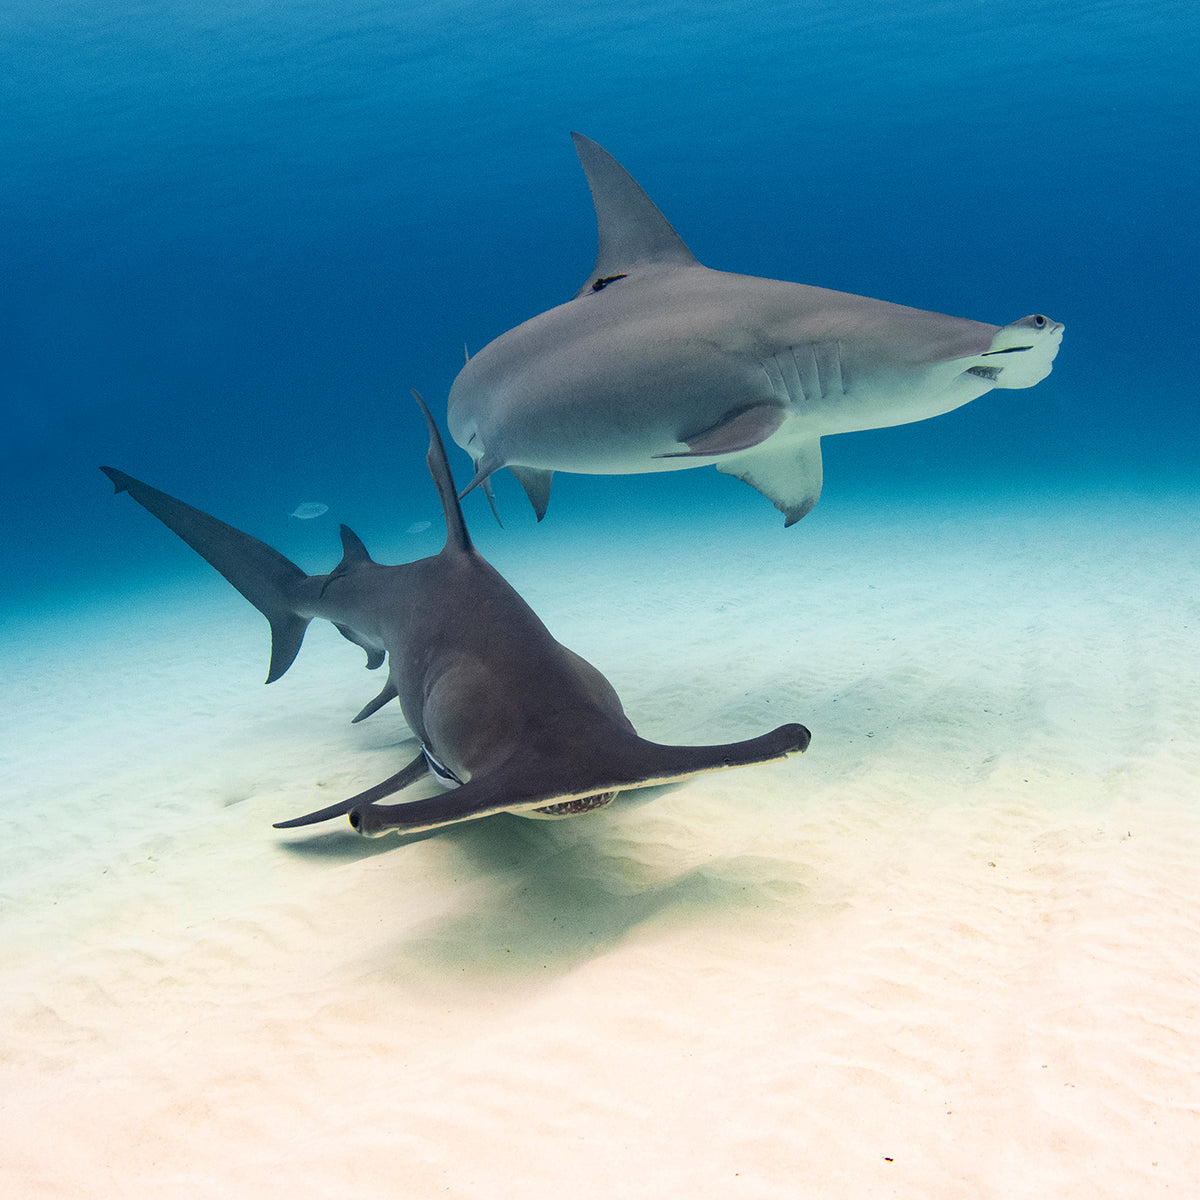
point(660, 364)
point(509, 719)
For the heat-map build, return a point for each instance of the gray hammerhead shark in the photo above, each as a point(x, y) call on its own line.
point(660, 364)
point(509, 720)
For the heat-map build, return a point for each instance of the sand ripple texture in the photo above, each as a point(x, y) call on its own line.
point(951, 952)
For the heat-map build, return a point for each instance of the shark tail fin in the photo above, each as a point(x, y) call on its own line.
point(267, 579)
point(457, 537)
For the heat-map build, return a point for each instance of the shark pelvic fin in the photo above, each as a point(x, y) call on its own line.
point(537, 487)
point(373, 706)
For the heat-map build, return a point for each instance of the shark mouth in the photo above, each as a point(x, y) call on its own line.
point(564, 808)
point(569, 808)
point(990, 373)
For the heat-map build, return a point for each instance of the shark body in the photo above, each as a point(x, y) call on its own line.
point(659, 363)
point(509, 719)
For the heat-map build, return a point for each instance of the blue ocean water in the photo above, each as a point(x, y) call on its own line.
point(234, 235)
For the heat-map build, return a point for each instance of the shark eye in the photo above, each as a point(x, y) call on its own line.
point(1039, 321)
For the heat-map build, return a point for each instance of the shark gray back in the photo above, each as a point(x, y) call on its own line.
point(659, 364)
point(509, 719)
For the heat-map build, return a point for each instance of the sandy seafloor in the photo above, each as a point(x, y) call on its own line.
point(952, 951)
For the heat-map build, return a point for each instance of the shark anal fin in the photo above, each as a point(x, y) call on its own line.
point(738, 430)
point(789, 475)
point(536, 483)
point(373, 706)
point(388, 787)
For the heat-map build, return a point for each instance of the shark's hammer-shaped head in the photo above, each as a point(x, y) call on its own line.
point(1022, 353)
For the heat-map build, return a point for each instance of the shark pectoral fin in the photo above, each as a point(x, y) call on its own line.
point(526, 785)
point(479, 797)
point(415, 769)
point(788, 474)
point(739, 430)
point(537, 486)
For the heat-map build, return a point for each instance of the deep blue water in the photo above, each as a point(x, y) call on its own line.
point(232, 235)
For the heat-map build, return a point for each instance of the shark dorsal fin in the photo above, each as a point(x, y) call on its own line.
point(457, 537)
point(631, 230)
point(353, 550)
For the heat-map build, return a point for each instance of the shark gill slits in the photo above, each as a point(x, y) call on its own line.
point(990, 373)
point(600, 284)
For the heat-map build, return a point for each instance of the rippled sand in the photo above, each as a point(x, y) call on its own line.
point(952, 951)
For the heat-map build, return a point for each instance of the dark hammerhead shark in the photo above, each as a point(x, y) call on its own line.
point(509, 719)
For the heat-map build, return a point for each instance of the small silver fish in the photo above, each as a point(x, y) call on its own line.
point(308, 510)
